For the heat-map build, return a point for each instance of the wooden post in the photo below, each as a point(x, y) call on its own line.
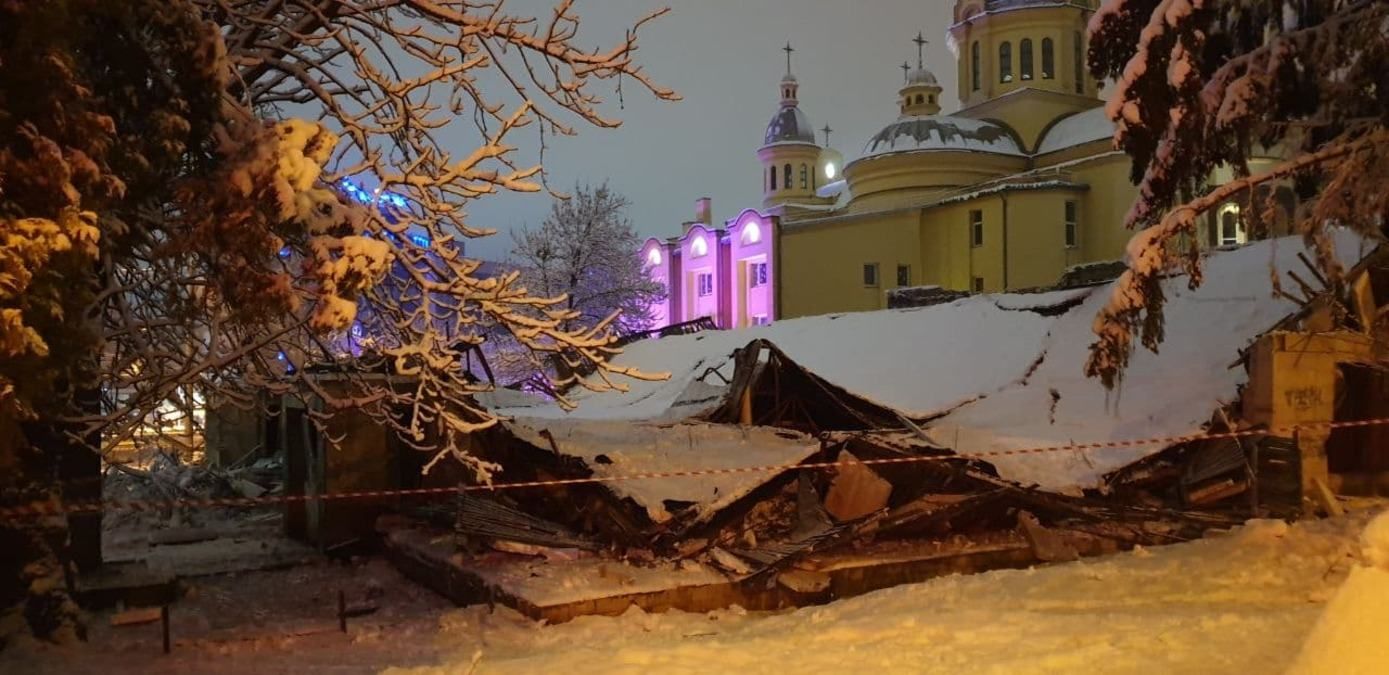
point(164, 621)
point(745, 413)
point(342, 611)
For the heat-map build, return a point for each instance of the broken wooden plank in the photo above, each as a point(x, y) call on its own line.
point(136, 616)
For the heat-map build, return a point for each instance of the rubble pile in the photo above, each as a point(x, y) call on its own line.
point(167, 480)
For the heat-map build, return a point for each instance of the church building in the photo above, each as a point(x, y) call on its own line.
point(1011, 191)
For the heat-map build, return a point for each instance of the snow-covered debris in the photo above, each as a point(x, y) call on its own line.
point(624, 449)
point(920, 361)
point(1170, 393)
point(1002, 371)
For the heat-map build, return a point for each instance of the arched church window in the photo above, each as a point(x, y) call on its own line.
point(920, 99)
point(1025, 58)
point(974, 65)
point(1048, 59)
point(1005, 62)
point(786, 176)
point(773, 188)
point(805, 177)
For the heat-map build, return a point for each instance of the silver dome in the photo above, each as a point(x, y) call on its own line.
point(941, 132)
point(790, 125)
point(921, 76)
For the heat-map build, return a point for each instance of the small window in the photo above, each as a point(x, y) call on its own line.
point(1231, 229)
point(1072, 227)
point(920, 99)
point(786, 176)
point(773, 179)
point(976, 228)
point(760, 320)
point(932, 98)
point(978, 284)
point(757, 274)
point(706, 284)
point(805, 177)
point(1048, 59)
point(1025, 59)
point(904, 276)
point(870, 274)
point(1079, 57)
point(1005, 62)
point(974, 66)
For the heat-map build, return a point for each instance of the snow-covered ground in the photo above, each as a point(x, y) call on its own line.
point(1243, 602)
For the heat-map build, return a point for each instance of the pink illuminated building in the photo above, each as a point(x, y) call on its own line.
point(726, 274)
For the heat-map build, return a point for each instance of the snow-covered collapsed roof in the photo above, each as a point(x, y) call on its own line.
point(1078, 129)
point(904, 359)
point(622, 449)
point(941, 132)
point(993, 374)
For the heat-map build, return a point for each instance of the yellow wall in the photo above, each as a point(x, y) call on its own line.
point(797, 155)
point(882, 182)
point(1103, 208)
point(1061, 24)
point(822, 265)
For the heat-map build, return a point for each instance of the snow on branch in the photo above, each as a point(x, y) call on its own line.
point(1202, 85)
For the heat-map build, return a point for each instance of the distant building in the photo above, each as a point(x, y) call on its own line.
point(726, 273)
point(1017, 187)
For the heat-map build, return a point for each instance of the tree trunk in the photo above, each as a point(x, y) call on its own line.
point(38, 566)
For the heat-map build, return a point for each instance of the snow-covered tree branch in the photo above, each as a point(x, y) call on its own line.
point(1202, 83)
point(175, 228)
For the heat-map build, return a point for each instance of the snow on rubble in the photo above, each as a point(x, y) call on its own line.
point(1239, 602)
point(1172, 392)
point(1000, 372)
point(622, 449)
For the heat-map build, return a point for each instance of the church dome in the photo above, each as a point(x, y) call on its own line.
point(789, 125)
point(941, 132)
point(920, 76)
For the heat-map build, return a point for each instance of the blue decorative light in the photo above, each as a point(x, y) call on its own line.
point(420, 240)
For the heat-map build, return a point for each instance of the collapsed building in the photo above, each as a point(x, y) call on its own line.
point(827, 456)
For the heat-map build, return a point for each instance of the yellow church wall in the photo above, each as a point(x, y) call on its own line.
point(1036, 246)
point(801, 157)
point(822, 265)
point(880, 182)
point(1060, 24)
point(1104, 207)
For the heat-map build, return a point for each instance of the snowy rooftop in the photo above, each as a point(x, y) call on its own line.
point(1078, 129)
point(941, 132)
point(993, 374)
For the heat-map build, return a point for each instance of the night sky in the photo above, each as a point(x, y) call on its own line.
point(725, 58)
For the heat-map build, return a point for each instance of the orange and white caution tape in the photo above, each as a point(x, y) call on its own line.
point(50, 508)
